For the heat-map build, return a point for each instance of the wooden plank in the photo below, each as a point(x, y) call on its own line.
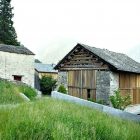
point(138, 80)
point(84, 94)
point(133, 80)
point(134, 96)
point(137, 92)
point(93, 95)
point(79, 55)
point(82, 68)
point(134, 93)
point(80, 82)
point(73, 62)
point(82, 87)
point(83, 58)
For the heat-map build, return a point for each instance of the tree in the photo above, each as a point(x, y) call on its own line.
point(37, 61)
point(7, 31)
point(47, 84)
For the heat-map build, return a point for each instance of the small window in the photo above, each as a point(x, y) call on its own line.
point(88, 93)
point(17, 78)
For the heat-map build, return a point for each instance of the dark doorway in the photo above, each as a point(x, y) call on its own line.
point(88, 94)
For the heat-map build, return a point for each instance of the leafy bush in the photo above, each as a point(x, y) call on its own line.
point(47, 84)
point(62, 89)
point(120, 102)
point(28, 91)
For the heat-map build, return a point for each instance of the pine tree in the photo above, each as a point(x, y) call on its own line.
point(7, 31)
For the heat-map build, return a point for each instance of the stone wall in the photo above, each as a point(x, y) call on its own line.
point(17, 64)
point(106, 83)
point(62, 79)
point(102, 85)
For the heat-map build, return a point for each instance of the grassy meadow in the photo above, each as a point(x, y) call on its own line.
point(9, 92)
point(51, 119)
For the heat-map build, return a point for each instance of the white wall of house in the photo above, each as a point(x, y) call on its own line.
point(114, 82)
point(17, 64)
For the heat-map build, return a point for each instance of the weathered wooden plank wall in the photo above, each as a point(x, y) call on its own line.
point(130, 84)
point(82, 83)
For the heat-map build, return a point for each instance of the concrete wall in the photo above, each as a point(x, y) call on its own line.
point(103, 108)
point(17, 64)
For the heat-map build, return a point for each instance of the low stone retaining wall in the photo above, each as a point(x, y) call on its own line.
point(103, 108)
point(24, 97)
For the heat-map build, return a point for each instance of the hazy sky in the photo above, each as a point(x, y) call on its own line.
point(51, 28)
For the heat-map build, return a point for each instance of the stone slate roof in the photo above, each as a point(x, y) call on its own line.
point(118, 61)
point(15, 49)
point(45, 68)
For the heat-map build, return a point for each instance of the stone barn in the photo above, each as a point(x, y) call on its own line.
point(95, 73)
point(17, 63)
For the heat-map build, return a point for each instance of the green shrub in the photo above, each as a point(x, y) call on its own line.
point(120, 102)
point(28, 91)
point(47, 84)
point(62, 89)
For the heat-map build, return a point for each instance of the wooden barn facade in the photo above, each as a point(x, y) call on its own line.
point(95, 73)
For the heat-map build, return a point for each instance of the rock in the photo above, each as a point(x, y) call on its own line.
point(24, 96)
point(135, 109)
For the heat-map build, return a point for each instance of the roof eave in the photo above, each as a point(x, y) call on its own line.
point(56, 67)
point(136, 72)
point(79, 44)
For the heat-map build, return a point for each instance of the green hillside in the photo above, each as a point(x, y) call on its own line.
point(9, 92)
point(50, 119)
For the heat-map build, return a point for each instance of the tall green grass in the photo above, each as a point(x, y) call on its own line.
point(58, 120)
point(9, 92)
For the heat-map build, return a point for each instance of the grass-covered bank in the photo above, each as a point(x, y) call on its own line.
point(9, 92)
point(53, 119)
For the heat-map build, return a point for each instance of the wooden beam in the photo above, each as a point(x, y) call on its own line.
point(85, 68)
point(82, 87)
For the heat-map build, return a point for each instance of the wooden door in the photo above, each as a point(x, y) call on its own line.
point(82, 83)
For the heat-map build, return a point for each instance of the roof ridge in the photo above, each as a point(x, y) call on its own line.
point(119, 61)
